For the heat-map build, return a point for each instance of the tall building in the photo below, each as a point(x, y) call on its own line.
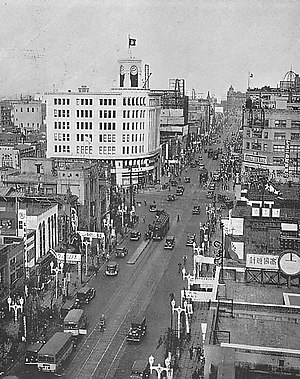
point(271, 130)
point(119, 127)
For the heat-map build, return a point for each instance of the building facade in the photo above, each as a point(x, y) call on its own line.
point(119, 127)
point(271, 130)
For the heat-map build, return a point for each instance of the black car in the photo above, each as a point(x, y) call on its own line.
point(210, 194)
point(135, 235)
point(196, 209)
point(171, 197)
point(187, 179)
point(121, 252)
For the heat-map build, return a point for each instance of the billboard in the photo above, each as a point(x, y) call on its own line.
point(262, 261)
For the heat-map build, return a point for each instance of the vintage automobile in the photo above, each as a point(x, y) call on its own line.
point(135, 235)
point(196, 209)
point(121, 252)
point(152, 208)
point(85, 295)
point(170, 243)
point(112, 269)
point(212, 186)
point(191, 238)
point(210, 195)
point(137, 329)
point(171, 197)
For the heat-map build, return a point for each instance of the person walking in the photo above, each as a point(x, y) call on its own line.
point(191, 350)
point(178, 218)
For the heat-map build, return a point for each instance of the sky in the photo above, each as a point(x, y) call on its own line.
point(212, 44)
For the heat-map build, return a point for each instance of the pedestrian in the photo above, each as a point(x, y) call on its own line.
point(179, 268)
point(191, 350)
point(178, 218)
point(195, 352)
point(144, 219)
point(184, 259)
point(145, 202)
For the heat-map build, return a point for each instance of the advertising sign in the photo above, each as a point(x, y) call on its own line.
point(262, 261)
point(87, 234)
point(70, 258)
point(287, 157)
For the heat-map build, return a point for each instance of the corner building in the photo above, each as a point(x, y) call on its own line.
point(119, 128)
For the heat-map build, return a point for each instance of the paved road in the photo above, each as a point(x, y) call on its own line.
point(144, 287)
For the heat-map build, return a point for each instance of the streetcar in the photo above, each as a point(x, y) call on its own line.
point(160, 226)
point(55, 351)
point(75, 322)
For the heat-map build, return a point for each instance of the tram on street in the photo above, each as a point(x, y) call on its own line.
point(75, 322)
point(55, 351)
point(160, 226)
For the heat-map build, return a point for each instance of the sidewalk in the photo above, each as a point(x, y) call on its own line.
point(190, 361)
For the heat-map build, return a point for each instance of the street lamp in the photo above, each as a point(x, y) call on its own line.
point(15, 306)
point(86, 243)
point(179, 310)
point(56, 270)
point(159, 369)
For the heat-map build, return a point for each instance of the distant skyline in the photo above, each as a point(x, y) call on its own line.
point(212, 44)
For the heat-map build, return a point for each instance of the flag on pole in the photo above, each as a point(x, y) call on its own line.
point(132, 42)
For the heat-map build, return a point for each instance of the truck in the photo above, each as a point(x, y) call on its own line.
point(137, 330)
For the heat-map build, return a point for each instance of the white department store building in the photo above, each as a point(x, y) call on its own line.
point(119, 127)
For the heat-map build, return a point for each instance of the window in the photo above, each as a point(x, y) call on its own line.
point(295, 136)
point(278, 148)
point(265, 147)
point(128, 137)
point(280, 123)
point(123, 137)
point(279, 136)
point(123, 147)
point(256, 145)
point(266, 135)
point(278, 161)
point(295, 124)
point(247, 145)
point(248, 133)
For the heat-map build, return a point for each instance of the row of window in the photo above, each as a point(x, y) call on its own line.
point(107, 138)
point(134, 101)
point(62, 149)
point(107, 126)
point(85, 125)
point(86, 113)
point(61, 101)
point(85, 137)
point(27, 110)
point(61, 137)
point(277, 136)
point(134, 114)
point(107, 150)
point(276, 148)
point(61, 113)
point(134, 126)
point(61, 124)
point(107, 114)
point(134, 137)
point(28, 124)
point(134, 149)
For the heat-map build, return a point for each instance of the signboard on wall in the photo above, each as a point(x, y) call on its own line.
point(262, 261)
point(287, 147)
point(70, 258)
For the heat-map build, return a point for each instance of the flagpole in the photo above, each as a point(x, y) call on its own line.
point(248, 80)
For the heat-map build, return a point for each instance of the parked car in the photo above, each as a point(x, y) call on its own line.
point(191, 238)
point(212, 186)
point(210, 195)
point(173, 182)
point(152, 208)
point(135, 235)
point(171, 197)
point(187, 179)
point(179, 192)
point(121, 252)
point(140, 369)
point(196, 209)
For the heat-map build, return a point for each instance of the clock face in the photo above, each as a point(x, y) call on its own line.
point(133, 70)
point(289, 263)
